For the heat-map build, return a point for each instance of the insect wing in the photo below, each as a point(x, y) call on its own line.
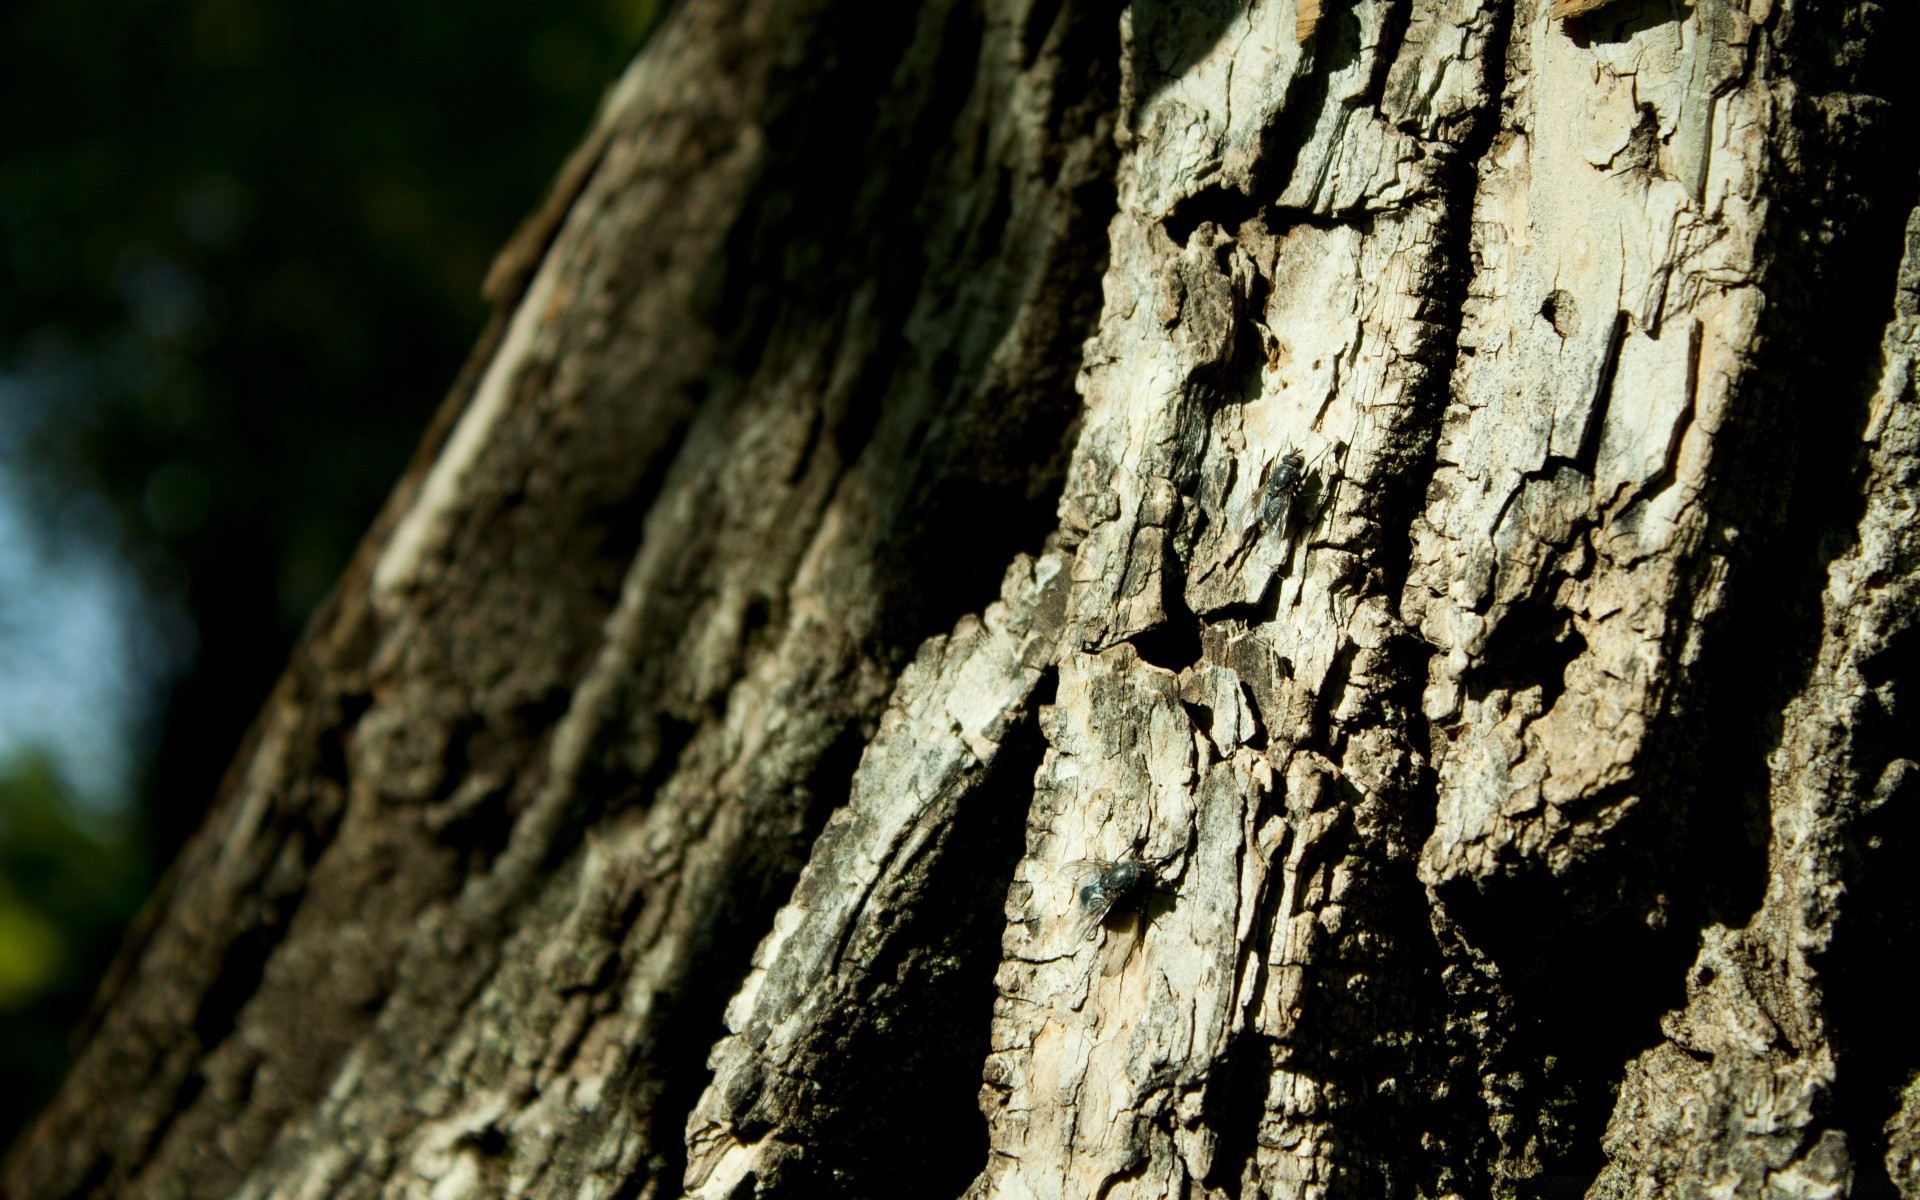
point(1092, 899)
point(1092, 916)
point(1275, 510)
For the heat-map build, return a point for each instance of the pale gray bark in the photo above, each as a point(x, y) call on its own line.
point(1476, 572)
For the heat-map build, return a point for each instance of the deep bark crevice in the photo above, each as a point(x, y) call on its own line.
point(1236, 1099)
point(669, 1079)
point(1777, 518)
point(1878, 933)
point(894, 1108)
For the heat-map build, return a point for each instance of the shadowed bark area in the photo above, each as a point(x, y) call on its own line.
point(1427, 486)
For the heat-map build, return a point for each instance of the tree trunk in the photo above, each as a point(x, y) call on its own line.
point(1471, 597)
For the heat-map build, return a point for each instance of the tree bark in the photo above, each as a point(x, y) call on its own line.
point(1473, 590)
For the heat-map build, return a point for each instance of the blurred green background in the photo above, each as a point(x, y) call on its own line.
point(241, 243)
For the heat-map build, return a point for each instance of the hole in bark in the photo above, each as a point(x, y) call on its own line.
point(608, 782)
point(695, 1020)
point(1241, 379)
point(1333, 687)
point(1581, 1023)
point(1175, 643)
point(1226, 207)
point(948, 553)
point(1172, 645)
point(1256, 740)
point(1586, 459)
point(852, 426)
point(483, 827)
point(491, 1141)
point(1894, 673)
point(1199, 712)
point(241, 970)
point(617, 524)
point(1870, 1178)
point(827, 787)
point(1337, 40)
point(759, 879)
point(332, 759)
point(993, 229)
point(1589, 980)
point(1375, 1027)
point(1558, 311)
point(1393, 35)
point(1532, 646)
point(756, 625)
point(102, 1166)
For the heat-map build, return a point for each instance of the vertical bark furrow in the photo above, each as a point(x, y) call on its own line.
point(1609, 536)
point(818, 1003)
point(1747, 1093)
point(1233, 684)
point(1556, 558)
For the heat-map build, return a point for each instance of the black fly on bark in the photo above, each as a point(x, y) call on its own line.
point(1289, 485)
point(1102, 887)
point(1276, 505)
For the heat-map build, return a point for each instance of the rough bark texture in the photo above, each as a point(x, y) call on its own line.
point(1476, 581)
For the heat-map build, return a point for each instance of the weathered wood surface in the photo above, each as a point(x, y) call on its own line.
point(1231, 693)
point(1478, 572)
point(500, 849)
point(842, 948)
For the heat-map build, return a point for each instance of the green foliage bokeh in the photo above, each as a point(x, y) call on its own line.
point(241, 243)
point(67, 886)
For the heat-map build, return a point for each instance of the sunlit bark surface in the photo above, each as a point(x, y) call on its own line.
point(1427, 486)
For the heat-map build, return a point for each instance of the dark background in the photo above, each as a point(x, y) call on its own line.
point(241, 243)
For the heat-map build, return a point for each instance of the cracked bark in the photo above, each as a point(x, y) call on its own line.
point(1434, 478)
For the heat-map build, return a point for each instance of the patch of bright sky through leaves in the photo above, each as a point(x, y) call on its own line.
point(86, 648)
